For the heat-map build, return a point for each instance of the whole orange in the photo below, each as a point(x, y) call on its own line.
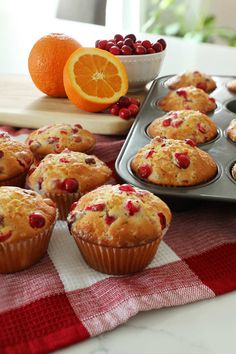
point(46, 62)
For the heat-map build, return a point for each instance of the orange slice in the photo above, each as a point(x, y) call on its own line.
point(94, 79)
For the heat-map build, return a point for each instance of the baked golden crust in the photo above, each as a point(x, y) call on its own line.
point(231, 85)
point(231, 130)
point(119, 216)
point(15, 157)
point(169, 162)
point(23, 214)
point(233, 172)
point(53, 139)
point(192, 78)
point(185, 124)
point(187, 98)
point(68, 172)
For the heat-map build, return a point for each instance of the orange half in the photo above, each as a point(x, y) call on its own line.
point(94, 79)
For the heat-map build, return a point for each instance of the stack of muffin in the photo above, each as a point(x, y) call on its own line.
point(51, 176)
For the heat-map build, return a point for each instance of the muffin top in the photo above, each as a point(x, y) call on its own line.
point(231, 85)
point(68, 172)
point(53, 139)
point(187, 98)
point(170, 162)
point(192, 78)
point(183, 125)
point(119, 216)
point(234, 171)
point(15, 157)
point(231, 130)
point(23, 214)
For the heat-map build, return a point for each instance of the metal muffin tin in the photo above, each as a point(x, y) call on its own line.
point(222, 149)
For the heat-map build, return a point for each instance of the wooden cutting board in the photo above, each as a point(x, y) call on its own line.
point(23, 105)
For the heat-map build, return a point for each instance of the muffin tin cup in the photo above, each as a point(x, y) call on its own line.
point(19, 255)
point(63, 202)
point(223, 151)
point(117, 260)
point(16, 181)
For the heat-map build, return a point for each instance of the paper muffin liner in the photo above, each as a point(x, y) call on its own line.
point(117, 260)
point(63, 202)
point(17, 181)
point(19, 255)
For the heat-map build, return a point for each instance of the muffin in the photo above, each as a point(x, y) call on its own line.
point(169, 162)
point(187, 98)
point(53, 139)
point(15, 161)
point(185, 124)
point(233, 172)
point(26, 223)
point(119, 228)
point(66, 176)
point(231, 130)
point(231, 85)
point(192, 78)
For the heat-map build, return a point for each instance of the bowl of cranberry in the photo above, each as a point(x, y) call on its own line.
point(142, 58)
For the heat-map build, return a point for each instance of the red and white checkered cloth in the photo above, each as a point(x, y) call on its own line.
point(61, 301)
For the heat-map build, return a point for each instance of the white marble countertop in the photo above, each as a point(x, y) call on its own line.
point(204, 327)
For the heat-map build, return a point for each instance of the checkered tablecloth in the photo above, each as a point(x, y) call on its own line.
point(61, 301)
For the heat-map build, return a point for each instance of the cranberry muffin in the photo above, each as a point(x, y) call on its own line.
point(231, 85)
point(169, 162)
point(187, 98)
point(66, 176)
point(185, 124)
point(15, 161)
point(53, 139)
point(26, 223)
point(192, 78)
point(119, 228)
point(231, 130)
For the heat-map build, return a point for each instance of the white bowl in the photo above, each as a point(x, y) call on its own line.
point(142, 69)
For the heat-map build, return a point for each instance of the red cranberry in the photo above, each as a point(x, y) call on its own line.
point(129, 42)
point(102, 44)
point(78, 126)
point(58, 184)
point(162, 42)
point(182, 93)
point(63, 132)
point(201, 128)
point(115, 50)
point(4, 237)
point(162, 220)
point(212, 99)
point(109, 45)
point(96, 43)
point(140, 50)
point(114, 109)
point(166, 122)
point(120, 44)
point(125, 113)
point(70, 185)
point(157, 47)
point(124, 101)
point(96, 207)
point(36, 220)
point(126, 188)
point(40, 181)
point(190, 142)
point(126, 50)
point(146, 44)
point(1, 154)
point(144, 171)
point(109, 219)
point(118, 37)
point(73, 206)
point(77, 139)
point(53, 139)
point(132, 36)
point(135, 100)
point(64, 160)
point(150, 153)
point(90, 161)
point(134, 109)
point(183, 160)
point(132, 207)
point(202, 86)
point(176, 123)
point(173, 114)
point(150, 51)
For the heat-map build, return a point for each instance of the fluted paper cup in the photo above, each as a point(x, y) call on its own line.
point(63, 202)
point(117, 260)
